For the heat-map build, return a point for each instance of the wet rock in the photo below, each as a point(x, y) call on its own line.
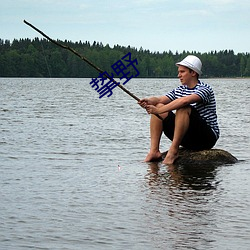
point(204, 157)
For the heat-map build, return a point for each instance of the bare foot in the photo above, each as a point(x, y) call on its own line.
point(153, 156)
point(170, 157)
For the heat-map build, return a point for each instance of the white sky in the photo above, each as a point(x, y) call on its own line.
point(157, 25)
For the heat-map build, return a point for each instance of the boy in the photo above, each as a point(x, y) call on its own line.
point(194, 125)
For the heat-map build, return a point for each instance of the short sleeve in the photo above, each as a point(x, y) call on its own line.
point(174, 94)
point(204, 93)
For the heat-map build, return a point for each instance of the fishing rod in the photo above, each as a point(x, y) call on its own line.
point(86, 60)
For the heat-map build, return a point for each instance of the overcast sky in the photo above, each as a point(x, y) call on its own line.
point(157, 25)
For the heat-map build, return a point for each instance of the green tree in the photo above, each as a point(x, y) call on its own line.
point(41, 58)
point(247, 69)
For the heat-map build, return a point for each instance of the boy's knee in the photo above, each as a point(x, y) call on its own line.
point(184, 110)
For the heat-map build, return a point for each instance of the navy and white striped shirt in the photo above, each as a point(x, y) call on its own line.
point(206, 108)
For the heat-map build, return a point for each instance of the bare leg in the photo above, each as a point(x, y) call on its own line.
point(181, 127)
point(155, 137)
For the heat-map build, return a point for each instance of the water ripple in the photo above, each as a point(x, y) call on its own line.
point(72, 175)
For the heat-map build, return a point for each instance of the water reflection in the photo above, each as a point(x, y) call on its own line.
point(183, 197)
point(183, 177)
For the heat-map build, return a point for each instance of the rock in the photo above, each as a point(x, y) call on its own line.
point(213, 157)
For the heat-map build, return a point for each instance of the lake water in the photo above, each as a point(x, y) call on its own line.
point(72, 176)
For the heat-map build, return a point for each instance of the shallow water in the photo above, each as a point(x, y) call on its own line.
point(72, 175)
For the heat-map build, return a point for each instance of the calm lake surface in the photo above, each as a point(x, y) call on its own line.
point(72, 175)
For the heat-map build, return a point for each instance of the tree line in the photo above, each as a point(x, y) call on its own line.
point(41, 58)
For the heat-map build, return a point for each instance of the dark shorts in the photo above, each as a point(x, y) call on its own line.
point(199, 135)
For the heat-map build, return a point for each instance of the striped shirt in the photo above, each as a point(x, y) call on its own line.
point(206, 108)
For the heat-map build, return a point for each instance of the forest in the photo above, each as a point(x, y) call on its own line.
point(41, 58)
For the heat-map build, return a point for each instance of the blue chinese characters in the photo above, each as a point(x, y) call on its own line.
point(104, 83)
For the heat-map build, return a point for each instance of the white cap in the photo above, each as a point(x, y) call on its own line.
point(191, 62)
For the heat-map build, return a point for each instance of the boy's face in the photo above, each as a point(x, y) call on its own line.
point(185, 75)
